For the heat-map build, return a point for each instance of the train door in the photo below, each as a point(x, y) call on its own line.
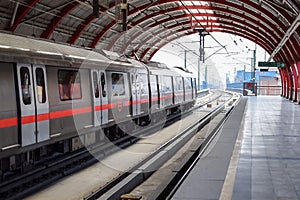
point(104, 98)
point(100, 101)
point(188, 89)
point(154, 93)
point(34, 105)
point(167, 90)
point(178, 89)
point(119, 96)
point(161, 92)
point(195, 88)
point(134, 94)
point(143, 85)
point(96, 98)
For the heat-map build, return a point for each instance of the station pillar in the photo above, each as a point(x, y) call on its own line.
point(297, 65)
point(294, 87)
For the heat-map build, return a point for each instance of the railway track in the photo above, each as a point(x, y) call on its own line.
point(53, 170)
point(198, 149)
point(142, 171)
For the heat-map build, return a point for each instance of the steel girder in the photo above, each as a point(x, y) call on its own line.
point(272, 26)
point(273, 18)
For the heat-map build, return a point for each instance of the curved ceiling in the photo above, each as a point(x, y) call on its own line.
point(273, 24)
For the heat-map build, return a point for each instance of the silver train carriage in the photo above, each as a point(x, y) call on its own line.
point(56, 98)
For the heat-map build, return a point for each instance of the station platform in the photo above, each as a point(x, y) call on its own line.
point(256, 155)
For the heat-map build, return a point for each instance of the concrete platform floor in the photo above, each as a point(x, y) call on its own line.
point(263, 162)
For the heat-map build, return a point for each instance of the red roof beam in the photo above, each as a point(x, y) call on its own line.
point(56, 20)
point(86, 22)
point(243, 33)
point(261, 43)
point(21, 13)
point(219, 26)
point(138, 33)
point(80, 28)
point(267, 29)
point(148, 38)
point(110, 25)
point(272, 41)
point(143, 54)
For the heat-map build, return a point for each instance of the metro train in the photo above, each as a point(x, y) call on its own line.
point(57, 98)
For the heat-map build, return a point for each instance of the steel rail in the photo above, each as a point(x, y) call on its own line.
point(49, 171)
point(143, 170)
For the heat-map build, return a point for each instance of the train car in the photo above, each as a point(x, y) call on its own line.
point(176, 88)
point(189, 87)
point(56, 99)
point(46, 99)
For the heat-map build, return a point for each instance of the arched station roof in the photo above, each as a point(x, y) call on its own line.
point(151, 24)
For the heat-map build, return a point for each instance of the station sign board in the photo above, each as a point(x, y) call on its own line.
point(271, 64)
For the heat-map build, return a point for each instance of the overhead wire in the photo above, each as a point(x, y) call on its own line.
point(178, 22)
point(203, 26)
point(139, 28)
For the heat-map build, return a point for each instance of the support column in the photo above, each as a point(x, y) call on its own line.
point(297, 65)
point(290, 83)
point(285, 82)
point(294, 71)
point(282, 81)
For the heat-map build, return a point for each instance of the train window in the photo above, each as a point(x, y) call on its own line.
point(103, 84)
point(178, 83)
point(188, 83)
point(25, 84)
point(69, 84)
point(95, 82)
point(118, 85)
point(153, 84)
point(194, 84)
point(143, 83)
point(40, 85)
point(167, 84)
point(133, 84)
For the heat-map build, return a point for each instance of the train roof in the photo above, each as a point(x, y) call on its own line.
point(183, 72)
point(14, 48)
point(156, 65)
point(162, 69)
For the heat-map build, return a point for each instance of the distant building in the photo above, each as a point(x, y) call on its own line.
point(268, 82)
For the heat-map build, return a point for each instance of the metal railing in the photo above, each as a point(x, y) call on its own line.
point(270, 90)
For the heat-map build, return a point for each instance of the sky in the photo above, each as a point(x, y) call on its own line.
point(238, 53)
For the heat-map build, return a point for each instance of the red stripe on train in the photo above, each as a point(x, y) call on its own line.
point(4, 123)
point(104, 107)
point(28, 119)
point(31, 119)
point(170, 96)
point(43, 117)
point(154, 99)
point(141, 101)
point(98, 108)
point(66, 113)
point(70, 112)
point(126, 103)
